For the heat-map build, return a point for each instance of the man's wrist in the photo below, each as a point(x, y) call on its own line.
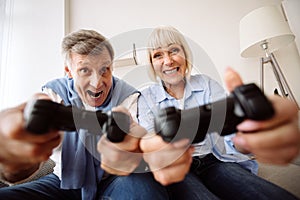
point(16, 175)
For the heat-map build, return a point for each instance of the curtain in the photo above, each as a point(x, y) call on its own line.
point(6, 7)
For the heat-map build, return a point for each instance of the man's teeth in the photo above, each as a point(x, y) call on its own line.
point(94, 95)
point(171, 71)
point(97, 94)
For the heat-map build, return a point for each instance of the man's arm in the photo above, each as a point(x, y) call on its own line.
point(124, 157)
point(21, 152)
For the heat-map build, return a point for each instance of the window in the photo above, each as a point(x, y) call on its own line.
point(5, 19)
point(30, 47)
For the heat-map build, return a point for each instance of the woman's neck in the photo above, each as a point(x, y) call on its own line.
point(176, 91)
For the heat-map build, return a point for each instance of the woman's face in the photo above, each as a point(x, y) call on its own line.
point(169, 64)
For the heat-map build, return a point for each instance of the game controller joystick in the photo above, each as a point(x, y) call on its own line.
point(43, 115)
point(245, 102)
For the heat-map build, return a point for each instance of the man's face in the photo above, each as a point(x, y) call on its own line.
point(92, 76)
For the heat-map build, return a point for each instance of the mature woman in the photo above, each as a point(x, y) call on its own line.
point(217, 167)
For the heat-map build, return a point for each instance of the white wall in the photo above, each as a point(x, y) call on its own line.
point(32, 52)
point(292, 8)
point(211, 24)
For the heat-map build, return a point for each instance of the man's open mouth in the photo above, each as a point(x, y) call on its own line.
point(93, 94)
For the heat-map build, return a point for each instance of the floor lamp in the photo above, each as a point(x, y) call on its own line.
point(262, 32)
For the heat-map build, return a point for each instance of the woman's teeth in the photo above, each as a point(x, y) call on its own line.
point(171, 71)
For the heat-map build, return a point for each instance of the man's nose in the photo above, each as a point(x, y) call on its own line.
point(96, 80)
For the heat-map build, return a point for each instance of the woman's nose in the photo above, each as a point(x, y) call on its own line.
point(168, 60)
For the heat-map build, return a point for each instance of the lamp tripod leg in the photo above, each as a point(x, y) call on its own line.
point(283, 85)
point(279, 81)
point(262, 74)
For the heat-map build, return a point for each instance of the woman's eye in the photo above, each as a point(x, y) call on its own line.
point(174, 50)
point(156, 55)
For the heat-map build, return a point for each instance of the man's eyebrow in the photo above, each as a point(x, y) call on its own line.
point(107, 63)
point(82, 62)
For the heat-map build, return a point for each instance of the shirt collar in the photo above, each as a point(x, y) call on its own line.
point(192, 85)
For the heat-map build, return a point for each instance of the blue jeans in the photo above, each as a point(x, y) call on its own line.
point(152, 190)
point(208, 179)
point(47, 187)
point(135, 186)
point(230, 181)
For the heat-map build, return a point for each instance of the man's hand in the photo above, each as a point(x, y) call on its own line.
point(275, 141)
point(169, 162)
point(21, 152)
point(122, 158)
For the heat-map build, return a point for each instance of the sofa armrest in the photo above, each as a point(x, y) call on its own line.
point(287, 177)
point(45, 169)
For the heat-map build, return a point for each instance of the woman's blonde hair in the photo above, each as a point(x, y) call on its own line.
point(163, 36)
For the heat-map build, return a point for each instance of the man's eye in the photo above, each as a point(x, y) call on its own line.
point(104, 70)
point(83, 71)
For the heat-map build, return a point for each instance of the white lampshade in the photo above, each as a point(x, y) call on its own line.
point(265, 24)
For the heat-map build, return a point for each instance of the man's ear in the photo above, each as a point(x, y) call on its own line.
point(68, 72)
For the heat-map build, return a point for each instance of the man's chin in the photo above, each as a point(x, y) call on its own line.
point(95, 103)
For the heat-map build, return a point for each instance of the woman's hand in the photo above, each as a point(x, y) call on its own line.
point(169, 162)
point(275, 141)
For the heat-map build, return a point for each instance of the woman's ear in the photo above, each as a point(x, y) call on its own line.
point(68, 72)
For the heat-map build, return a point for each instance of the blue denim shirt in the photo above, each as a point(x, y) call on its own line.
point(199, 90)
point(80, 158)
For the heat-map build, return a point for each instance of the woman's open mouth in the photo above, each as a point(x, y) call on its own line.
point(171, 71)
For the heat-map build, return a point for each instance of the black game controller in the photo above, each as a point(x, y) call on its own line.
point(42, 116)
point(245, 102)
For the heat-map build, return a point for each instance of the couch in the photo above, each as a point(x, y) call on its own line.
point(288, 177)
